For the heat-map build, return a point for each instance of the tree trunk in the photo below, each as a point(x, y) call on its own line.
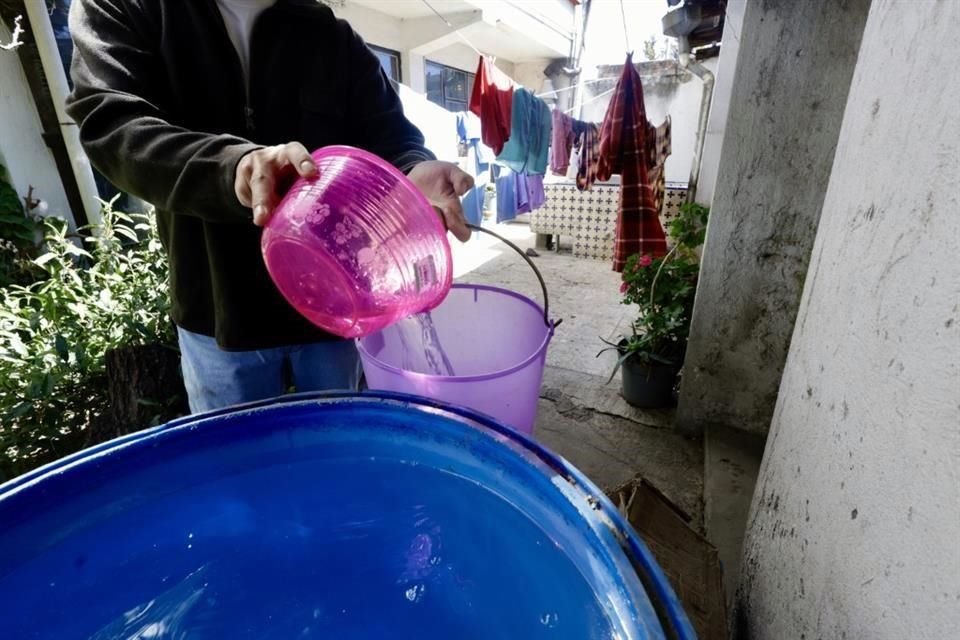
point(145, 388)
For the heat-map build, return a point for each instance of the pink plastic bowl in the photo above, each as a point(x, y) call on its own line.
point(359, 247)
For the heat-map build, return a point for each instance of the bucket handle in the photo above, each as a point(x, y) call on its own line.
point(536, 271)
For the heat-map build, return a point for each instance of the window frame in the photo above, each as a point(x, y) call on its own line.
point(390, 52)
point(449, 102)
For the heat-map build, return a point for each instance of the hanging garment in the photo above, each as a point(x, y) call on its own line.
point(658, 149)
point(473, 205)
point(589, 157)
point(529, 142)
point(623, 150)
point(506, 183)
point(492, 101)
point(560, 142)
point(518, 192)
point(476, 163)
point(530, 193)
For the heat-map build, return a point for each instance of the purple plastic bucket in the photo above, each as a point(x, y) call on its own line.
point(495, 341)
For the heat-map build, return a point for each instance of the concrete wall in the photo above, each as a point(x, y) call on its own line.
point(22, 149)
point(530, 73)
point(854, 530)
point(720, 105)
point(789, 91)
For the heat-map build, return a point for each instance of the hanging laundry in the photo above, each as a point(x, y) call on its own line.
point(492, 102)
point(560, 142)
point(530, 193)
point(518, 192)
point(623, 150)
point(506, 183)
point(589, 157)
point(477, 164)
point(529, 142)
point(659, 148)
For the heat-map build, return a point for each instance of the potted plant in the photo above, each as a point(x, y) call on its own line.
point(663, 290)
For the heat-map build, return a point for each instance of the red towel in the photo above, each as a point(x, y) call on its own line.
point(623, 145)
point(492, 100)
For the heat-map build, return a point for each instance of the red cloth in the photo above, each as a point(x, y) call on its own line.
point(623, 146)
point(492, 101)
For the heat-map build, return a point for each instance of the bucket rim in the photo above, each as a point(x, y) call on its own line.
point(603, 513)
point(478, 377)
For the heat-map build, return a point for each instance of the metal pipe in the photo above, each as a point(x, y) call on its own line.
point(56, 79)
point(707, 77)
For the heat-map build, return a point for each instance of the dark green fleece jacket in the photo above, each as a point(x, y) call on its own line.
point(164, 113)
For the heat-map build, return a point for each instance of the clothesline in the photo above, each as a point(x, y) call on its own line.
point(455, 30)
point(596, 97)
point(571, 87)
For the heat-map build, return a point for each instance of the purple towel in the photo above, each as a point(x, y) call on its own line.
point(560, 142)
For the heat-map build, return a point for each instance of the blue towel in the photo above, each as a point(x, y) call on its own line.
point(530, 128)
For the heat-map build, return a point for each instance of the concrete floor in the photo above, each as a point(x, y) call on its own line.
point(581, 417)
point(732, 464)
point(585, 420)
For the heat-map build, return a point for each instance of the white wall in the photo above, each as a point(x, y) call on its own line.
point(373, 26)
point(458, 56)
point(385, 31)
point(720, 105)
point(22, 149)
point(855, 526)
point(530, 73)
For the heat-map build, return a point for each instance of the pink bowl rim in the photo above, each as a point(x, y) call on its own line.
point(478, 377)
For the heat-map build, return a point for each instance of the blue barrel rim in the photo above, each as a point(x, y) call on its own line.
point(480, 377)
point(670, 613)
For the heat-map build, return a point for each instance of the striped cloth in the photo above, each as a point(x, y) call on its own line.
point(623, 150)
point(659, 147)
point(589, 157)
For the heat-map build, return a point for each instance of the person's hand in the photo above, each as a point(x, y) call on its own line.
point(265, 174)
point(443, 183)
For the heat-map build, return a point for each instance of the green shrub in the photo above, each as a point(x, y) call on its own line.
point(109, 290)
point(663, 290)
point(18, 237)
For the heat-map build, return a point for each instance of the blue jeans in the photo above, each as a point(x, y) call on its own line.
point(215, 378)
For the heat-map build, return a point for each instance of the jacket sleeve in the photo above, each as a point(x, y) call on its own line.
point(124, 128)
point(376, 111)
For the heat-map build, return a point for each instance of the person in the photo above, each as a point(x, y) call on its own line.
point(207, 109)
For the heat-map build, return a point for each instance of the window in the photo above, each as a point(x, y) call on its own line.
point(389, 61)
point(448, 87)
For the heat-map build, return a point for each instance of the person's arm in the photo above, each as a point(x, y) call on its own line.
point(123, 127)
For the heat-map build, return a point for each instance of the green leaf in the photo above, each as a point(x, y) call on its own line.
point(127, 233)
point(44, 259)
point(63, 349)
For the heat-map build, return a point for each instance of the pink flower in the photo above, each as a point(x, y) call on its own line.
point(645, 260)
point(624, 286)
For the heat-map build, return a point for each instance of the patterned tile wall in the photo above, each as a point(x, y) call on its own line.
point(590, 217)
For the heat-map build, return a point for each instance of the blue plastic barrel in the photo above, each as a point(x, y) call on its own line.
point(334, 516)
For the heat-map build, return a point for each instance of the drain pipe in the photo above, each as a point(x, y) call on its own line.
point(707, 78)
point(56, 79)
